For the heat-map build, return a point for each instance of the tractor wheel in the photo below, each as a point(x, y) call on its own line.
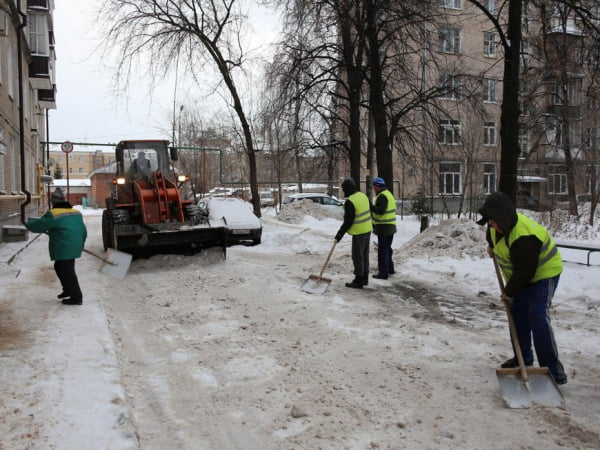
point(120, 216)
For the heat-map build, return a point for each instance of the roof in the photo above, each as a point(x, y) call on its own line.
point(81, 182)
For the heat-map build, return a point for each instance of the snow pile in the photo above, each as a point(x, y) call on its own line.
point(455, 238)
point(562, 225)
point(294, 212)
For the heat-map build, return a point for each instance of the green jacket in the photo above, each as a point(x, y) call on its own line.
point(66, 230)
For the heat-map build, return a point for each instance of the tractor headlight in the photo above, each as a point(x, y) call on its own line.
point(118, 181)
point(183, 178)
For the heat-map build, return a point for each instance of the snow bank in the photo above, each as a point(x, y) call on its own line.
point(454, 238)
point(296, 211)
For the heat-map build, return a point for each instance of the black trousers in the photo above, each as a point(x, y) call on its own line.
point(360, 254)
point(65, 271)
point(385, 263)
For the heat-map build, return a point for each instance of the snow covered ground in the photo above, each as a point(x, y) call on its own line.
point(192, 352)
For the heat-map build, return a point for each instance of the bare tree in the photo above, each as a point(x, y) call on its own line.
point(204, 30)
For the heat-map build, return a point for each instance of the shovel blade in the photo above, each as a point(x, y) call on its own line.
point(315, 284)
point(120, 264)
point(540, 388)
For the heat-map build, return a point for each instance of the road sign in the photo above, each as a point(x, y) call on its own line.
point(66, 147)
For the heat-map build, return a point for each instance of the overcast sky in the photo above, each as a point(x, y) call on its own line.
point(88, 108)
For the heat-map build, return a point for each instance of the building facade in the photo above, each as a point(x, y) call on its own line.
point(27, 92)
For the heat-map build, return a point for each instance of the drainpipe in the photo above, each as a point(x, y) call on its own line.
point(20, 28)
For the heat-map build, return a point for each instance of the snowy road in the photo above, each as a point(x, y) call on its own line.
point(197, 353)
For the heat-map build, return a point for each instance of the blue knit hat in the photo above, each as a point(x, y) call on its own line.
point(379, 182)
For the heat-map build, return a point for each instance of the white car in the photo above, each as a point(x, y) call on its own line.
point(322, 199)
point(242, 226)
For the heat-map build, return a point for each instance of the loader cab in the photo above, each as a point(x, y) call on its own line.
point(138, 160)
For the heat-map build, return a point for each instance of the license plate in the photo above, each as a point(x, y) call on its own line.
point(240, 231)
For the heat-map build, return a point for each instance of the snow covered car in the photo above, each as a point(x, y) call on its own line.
point(241, 225)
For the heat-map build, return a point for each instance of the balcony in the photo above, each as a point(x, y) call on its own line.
point(47, 98)
point(39, 72)
point(38, 4)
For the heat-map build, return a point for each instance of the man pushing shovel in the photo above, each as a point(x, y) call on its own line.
point(531, 266)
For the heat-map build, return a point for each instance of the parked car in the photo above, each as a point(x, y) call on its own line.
point(242, 226)
point(322, 199)
point(266, 198)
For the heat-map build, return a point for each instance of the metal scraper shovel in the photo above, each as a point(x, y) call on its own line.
point(522, 386)
point(116, 263)
point(318, 284)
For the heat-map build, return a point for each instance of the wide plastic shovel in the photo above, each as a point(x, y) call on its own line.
point(522, 386)
point(318, 284)
point(116, 263)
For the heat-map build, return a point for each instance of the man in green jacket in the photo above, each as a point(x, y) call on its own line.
point(67, 234)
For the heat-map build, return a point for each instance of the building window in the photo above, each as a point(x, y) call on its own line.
point(10, 76)
point(80, 170)
point(449, 85)
point(2, 153)
point(489, 90)
point(38, 34)
point(450, 178)
point(449, 40)
point(453, 4)
point(591, 138)
point(574, 92)
point(523, 140)
point(449, 132)
point(490, 44)
point(557, 183)
point(490, 5)
point(70, 170)
point(489, 133)
point(80, 159)
point(489, 178)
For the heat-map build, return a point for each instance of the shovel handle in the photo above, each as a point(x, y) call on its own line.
point(511, 325)
point(328, 258)
point(106, 260)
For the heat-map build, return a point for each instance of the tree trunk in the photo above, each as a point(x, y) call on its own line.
point(376, 96)
point(509, 118)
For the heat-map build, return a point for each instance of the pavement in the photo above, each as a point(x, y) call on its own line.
point(10, 250)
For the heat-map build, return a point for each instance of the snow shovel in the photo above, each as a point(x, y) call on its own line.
point(116, 262)
point(318, 284)
point(522, 386)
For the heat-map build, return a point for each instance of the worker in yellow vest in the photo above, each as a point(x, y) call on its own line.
point(383, 212)
point(531, 266)
point(357, 223)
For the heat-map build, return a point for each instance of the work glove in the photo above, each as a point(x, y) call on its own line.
point(507, 300)
point(338, 237)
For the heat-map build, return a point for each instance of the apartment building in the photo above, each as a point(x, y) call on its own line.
point(456, 161)
point(27, 92)
point(79, 163)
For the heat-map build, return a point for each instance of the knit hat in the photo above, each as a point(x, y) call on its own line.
point(379, 182)
point(58, 196)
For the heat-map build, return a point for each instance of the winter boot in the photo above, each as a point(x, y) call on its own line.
point(357, 283)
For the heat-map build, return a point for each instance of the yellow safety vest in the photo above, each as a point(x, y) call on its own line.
point(549, 262)
point(362, 214)
point(389, 216)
